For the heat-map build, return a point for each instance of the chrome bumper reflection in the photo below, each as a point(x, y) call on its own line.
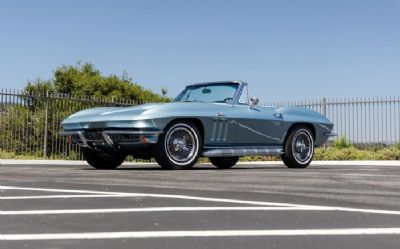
point(328, 134)
point(112, 137)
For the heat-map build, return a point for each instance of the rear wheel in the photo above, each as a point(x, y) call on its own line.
point(224, 162)
point(102, 160)
point(179, 147)
point(299, 148)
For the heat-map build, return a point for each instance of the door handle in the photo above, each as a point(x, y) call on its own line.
point(220, 114)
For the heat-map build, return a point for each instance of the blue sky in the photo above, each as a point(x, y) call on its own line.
point(285, 49)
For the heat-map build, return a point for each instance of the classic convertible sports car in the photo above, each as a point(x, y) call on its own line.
point(213, 119)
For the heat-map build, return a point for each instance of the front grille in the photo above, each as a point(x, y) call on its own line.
point(133, 138)
point(93, 136)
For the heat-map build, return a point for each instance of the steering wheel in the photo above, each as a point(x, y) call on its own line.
point(227, 99)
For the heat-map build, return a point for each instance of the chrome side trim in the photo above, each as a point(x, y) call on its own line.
point(226, 131)
point(328, 134)
point(220, 130)
point(214, 130)
point(243, 151)
point(133, 132)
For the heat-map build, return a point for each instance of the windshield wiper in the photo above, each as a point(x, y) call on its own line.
point(194, 100)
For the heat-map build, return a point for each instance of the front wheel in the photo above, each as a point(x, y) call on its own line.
point(299, 148)
point(179, 147)
point(224, 162)
point(101, 160)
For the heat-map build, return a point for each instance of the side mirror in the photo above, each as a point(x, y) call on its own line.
point(254, 101)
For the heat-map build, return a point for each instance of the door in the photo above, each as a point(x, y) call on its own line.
point(219, 127)
point(258, 125)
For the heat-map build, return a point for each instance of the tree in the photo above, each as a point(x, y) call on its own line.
point(83, 80)
point(39, 87)
point(42, 109)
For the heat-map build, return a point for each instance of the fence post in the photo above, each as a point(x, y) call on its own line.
point(324, 106)
point(46, 120)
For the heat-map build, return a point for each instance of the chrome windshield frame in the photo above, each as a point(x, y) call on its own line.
point(239, 93)
point(236, 96)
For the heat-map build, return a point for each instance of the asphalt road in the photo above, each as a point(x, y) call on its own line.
point(249, 206)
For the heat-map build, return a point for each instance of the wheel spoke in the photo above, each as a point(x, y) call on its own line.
point(180, 144)
point(302, 149)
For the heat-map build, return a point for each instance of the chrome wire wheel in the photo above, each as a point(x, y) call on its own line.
point(181, 144)
point(302, 146)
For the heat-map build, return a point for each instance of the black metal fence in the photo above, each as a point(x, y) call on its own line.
point(363, 122)
point(29, 124)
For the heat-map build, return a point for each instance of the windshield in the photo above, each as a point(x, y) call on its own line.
point(212, 93)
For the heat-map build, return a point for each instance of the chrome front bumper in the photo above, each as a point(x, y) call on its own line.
point(112, 138)
point(329, 134)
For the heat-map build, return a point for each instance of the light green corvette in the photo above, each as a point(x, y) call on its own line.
point(213, 119)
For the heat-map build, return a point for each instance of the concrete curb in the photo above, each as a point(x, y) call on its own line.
point(79, 163)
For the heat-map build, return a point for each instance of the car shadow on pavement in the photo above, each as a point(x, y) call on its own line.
point(158, 168)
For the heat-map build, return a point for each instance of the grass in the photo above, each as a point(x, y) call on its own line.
point(343, 150)
point(351, 153)
point(13, 155)
point(32, 156)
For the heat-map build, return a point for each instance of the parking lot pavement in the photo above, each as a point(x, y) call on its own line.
point(249, 206)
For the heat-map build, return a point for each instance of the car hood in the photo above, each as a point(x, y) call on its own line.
point(109, 113)
point(140, 112)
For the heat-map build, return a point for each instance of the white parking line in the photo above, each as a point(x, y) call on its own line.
point(205, 233)
point(62, 196)
point(209, 199)
point(156, 209)
point(124, 194)
point(60, 190)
